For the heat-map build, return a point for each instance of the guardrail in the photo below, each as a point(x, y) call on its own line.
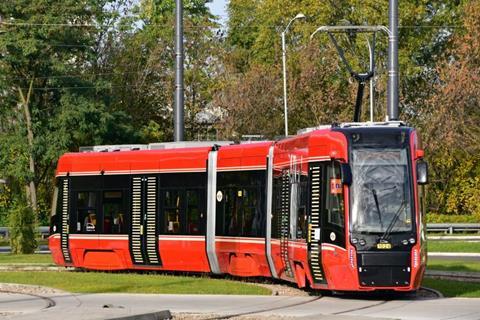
point(43, 230)
point(450, 228)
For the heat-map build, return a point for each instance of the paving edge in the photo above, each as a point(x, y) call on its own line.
point(159, 315)
point(438, 293)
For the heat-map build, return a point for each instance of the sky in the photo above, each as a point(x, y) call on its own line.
point(219, 8)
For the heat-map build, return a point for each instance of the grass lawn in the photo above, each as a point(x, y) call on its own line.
point(98, 282)
point(6, 242)
point(451, 288)
point(7, 258)
point(453, 265)
point(453, 246)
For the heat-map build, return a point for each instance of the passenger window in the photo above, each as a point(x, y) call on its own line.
point(86, 204)
point(302, 207)
point(241, 204)
point(252, 218)
point(172, 208)
point(335, 196)
point(194, 214)
point(334, 229)
point(114, 220)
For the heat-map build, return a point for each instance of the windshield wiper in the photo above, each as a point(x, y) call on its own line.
point(392, 223)
point(375, 197)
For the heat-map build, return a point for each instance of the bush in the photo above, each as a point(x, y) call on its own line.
point(22, 229)
point(453, 218)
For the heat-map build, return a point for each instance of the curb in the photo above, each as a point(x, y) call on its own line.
point(438, 293)
point(454, 254)
point(160, 315)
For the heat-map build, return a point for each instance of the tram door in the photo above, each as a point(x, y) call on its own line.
point(284, 222)
point(143, 237)
point(316, 177)
point(63, 207)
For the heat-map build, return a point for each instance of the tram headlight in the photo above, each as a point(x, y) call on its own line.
point(362, 242)
point(354, 240)
point(405, 242)
point(411, 240)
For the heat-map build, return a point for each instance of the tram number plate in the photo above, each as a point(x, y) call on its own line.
point(384, 246)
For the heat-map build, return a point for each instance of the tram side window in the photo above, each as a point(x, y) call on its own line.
point(56, 211)
point(86, 204)
point(195, 216)
point(335, 196)
point(335, 213)
point(302, 197)
point(276, 206)
point(172, 209)
point(241, 204)
point(114, 220)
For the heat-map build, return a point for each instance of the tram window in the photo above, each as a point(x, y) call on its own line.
point(86, 204)
point(241, 204)
point(56, 211)
point(114, 220)
point(334, 230)
point(253, 218)
point(302, 207)
point(195, 213)
point(277, 206)
point(335, 196)
point(172, 209)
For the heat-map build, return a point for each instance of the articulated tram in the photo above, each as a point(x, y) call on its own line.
point(336, 208)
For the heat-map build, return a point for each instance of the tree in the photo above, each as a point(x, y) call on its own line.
point(143, 66)
point(254, 39)
point(50, 102)
point(452, 123)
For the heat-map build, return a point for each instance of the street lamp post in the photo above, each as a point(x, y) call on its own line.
point(284, 60)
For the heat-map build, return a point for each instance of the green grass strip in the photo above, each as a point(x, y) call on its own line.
point(453, 265)
point(7, 258)
point(451, 288)
point(453, 246)
point(99, 282)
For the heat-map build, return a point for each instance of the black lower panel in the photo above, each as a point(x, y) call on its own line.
point(384, 276)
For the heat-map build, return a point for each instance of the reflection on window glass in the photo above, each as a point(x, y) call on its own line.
point(113, 212)
point(172, 209)
point(86, 212)
point(241, 204)
point(302, 197)
point(194, 216)
point(335, 211)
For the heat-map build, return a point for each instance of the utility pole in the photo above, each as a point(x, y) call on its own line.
point(284, 64)
point(179, 92)
point(392, 90)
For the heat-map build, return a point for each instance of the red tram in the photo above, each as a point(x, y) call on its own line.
point(335, 208)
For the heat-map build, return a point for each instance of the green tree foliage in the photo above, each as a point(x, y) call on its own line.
point(452, 128)
point(22, 229)
point(52, 100)
point(144, 67)
point(254, 39)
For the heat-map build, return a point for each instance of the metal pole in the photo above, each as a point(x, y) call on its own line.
point(179, 99)
point(284, 61)
point(371, 48)
point(392, 103)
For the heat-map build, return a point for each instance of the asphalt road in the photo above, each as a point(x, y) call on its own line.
point(111, 306)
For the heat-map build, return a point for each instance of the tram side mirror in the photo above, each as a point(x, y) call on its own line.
point(422, 172)
point(346, 174)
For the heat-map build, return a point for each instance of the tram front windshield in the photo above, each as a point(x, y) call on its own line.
point(381, 197)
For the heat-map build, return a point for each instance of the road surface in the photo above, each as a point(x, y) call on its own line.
point(62, 306)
